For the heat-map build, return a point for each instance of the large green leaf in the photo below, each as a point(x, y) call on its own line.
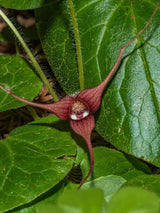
point(112, 162)
point(33, 159)
point(18, 75)
point(129, 117)
point(24, 4)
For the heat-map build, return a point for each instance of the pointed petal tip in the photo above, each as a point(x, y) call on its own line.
point(84, 128)
point(60, 108)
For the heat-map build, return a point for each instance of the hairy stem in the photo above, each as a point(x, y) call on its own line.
point(30, 55)
point(78, 44)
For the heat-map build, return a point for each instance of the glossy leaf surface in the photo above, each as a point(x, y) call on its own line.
point(112, 162)
point(24, 4)
point(18, 75)
point(33, 159)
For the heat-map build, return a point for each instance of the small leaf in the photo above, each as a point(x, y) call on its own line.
point(18, 75)
point(134, 200)
point(33, 159)
point(25, 4)
point(109, 184)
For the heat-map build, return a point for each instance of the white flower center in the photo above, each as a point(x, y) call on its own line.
point(78, 110)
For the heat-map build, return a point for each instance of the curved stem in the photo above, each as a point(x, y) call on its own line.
point(78, 44)
point(30, 55)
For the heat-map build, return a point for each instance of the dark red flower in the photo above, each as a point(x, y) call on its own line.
point(79, 108)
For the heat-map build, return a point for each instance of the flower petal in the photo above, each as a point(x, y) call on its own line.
point(84, 128)
point(92, 97)
point(60, 108)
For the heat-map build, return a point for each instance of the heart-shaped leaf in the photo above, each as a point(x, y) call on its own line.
point(24, 4)
point(18, 75)
point(109, 184)
point(33, 159)
point(129, 116)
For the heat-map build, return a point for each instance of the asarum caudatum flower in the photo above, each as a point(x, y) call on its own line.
point(79, 108)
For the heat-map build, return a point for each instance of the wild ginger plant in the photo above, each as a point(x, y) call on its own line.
point(79, 108)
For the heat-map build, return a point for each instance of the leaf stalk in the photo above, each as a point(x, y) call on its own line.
point(30, 55)
point(78, 44)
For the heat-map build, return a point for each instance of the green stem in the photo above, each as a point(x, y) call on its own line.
point(30, 55)
point(33, 112)
point(17, 49)
point(78, 44)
